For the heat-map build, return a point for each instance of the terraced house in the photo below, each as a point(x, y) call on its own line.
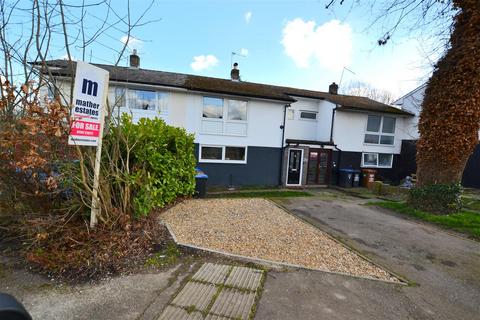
point(257, 134)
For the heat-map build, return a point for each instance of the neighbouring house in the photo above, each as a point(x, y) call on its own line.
point(412, 102)
point(257, 134)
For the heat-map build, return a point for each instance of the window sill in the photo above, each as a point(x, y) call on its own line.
point(379, 145)
point(222, 161)
point(212, 119)
point(375, 167)
point(223, 134)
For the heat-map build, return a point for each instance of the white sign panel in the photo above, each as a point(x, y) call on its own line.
point(89, 98)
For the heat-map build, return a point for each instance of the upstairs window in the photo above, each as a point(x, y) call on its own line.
point(237, 110)
point(142, 99)
point(224, 116)
point(310, 115)
point(137, 100)
point(212, 108)
point(380, 130)
point(120, 100)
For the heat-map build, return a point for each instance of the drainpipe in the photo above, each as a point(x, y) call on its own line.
point(333, 120)
point(335, 146)
point(339, 161)
point(283, 142)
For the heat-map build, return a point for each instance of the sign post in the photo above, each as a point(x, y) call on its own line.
point(89, 101)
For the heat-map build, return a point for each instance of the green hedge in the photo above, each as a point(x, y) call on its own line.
point(161, 162)
point(436, 198)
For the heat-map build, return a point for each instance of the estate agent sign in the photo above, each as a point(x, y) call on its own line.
point(89, 98)
point(89, 101)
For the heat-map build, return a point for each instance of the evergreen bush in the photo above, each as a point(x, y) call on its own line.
point(436, 198)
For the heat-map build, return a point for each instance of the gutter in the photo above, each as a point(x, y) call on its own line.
point(283, 143)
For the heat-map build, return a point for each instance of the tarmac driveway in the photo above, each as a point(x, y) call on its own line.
point(444, 269)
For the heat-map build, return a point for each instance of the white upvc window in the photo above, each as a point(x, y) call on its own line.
point(380, 130)
point(222, 154)
point(308, 115)
point(377, 160)
point(212, 108)
point(135, 100)
point(224, 116)
point(290, 114)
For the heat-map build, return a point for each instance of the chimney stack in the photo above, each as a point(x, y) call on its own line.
point(134, 60)
point(235, 73)
point(333, 88)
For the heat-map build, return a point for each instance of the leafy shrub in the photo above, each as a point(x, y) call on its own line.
point(151, 163)
point(436, 198)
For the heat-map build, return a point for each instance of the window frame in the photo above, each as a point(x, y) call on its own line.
point(380, 132)
point(223, 147)
point(308, 111)
point(363, 165)
point(290, 114)
point(133, 96)
point(224, 120)
point(161, 98)
point(227, 111)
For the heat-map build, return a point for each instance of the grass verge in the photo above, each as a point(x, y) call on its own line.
point(466, 222)
point(471, 203)
point(262, 194)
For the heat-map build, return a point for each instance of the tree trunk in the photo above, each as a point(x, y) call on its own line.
point(450, 117)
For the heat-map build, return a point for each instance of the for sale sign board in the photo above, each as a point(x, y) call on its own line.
point(89, 98)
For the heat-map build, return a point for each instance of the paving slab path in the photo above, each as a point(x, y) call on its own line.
point(444, 267)
point(216, 291)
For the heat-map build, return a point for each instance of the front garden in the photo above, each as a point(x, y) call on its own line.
point(46, 189)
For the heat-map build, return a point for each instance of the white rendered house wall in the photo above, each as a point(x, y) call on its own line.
point(349, 131)
point(261, 127)
point(412, 102)
point(309, 119)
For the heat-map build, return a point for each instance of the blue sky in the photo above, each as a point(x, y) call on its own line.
point(285, 42)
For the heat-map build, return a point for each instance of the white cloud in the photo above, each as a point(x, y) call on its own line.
point(244, 52)
point(248, 17)
point(203, 62)
point(133, 43)
point(329, 44)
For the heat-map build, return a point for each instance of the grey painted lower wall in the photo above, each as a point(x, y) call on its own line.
point(262, 169)
point(392, 175)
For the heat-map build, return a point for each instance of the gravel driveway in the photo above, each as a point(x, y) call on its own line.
point(257, 228)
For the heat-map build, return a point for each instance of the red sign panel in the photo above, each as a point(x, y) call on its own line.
point(85, 128)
